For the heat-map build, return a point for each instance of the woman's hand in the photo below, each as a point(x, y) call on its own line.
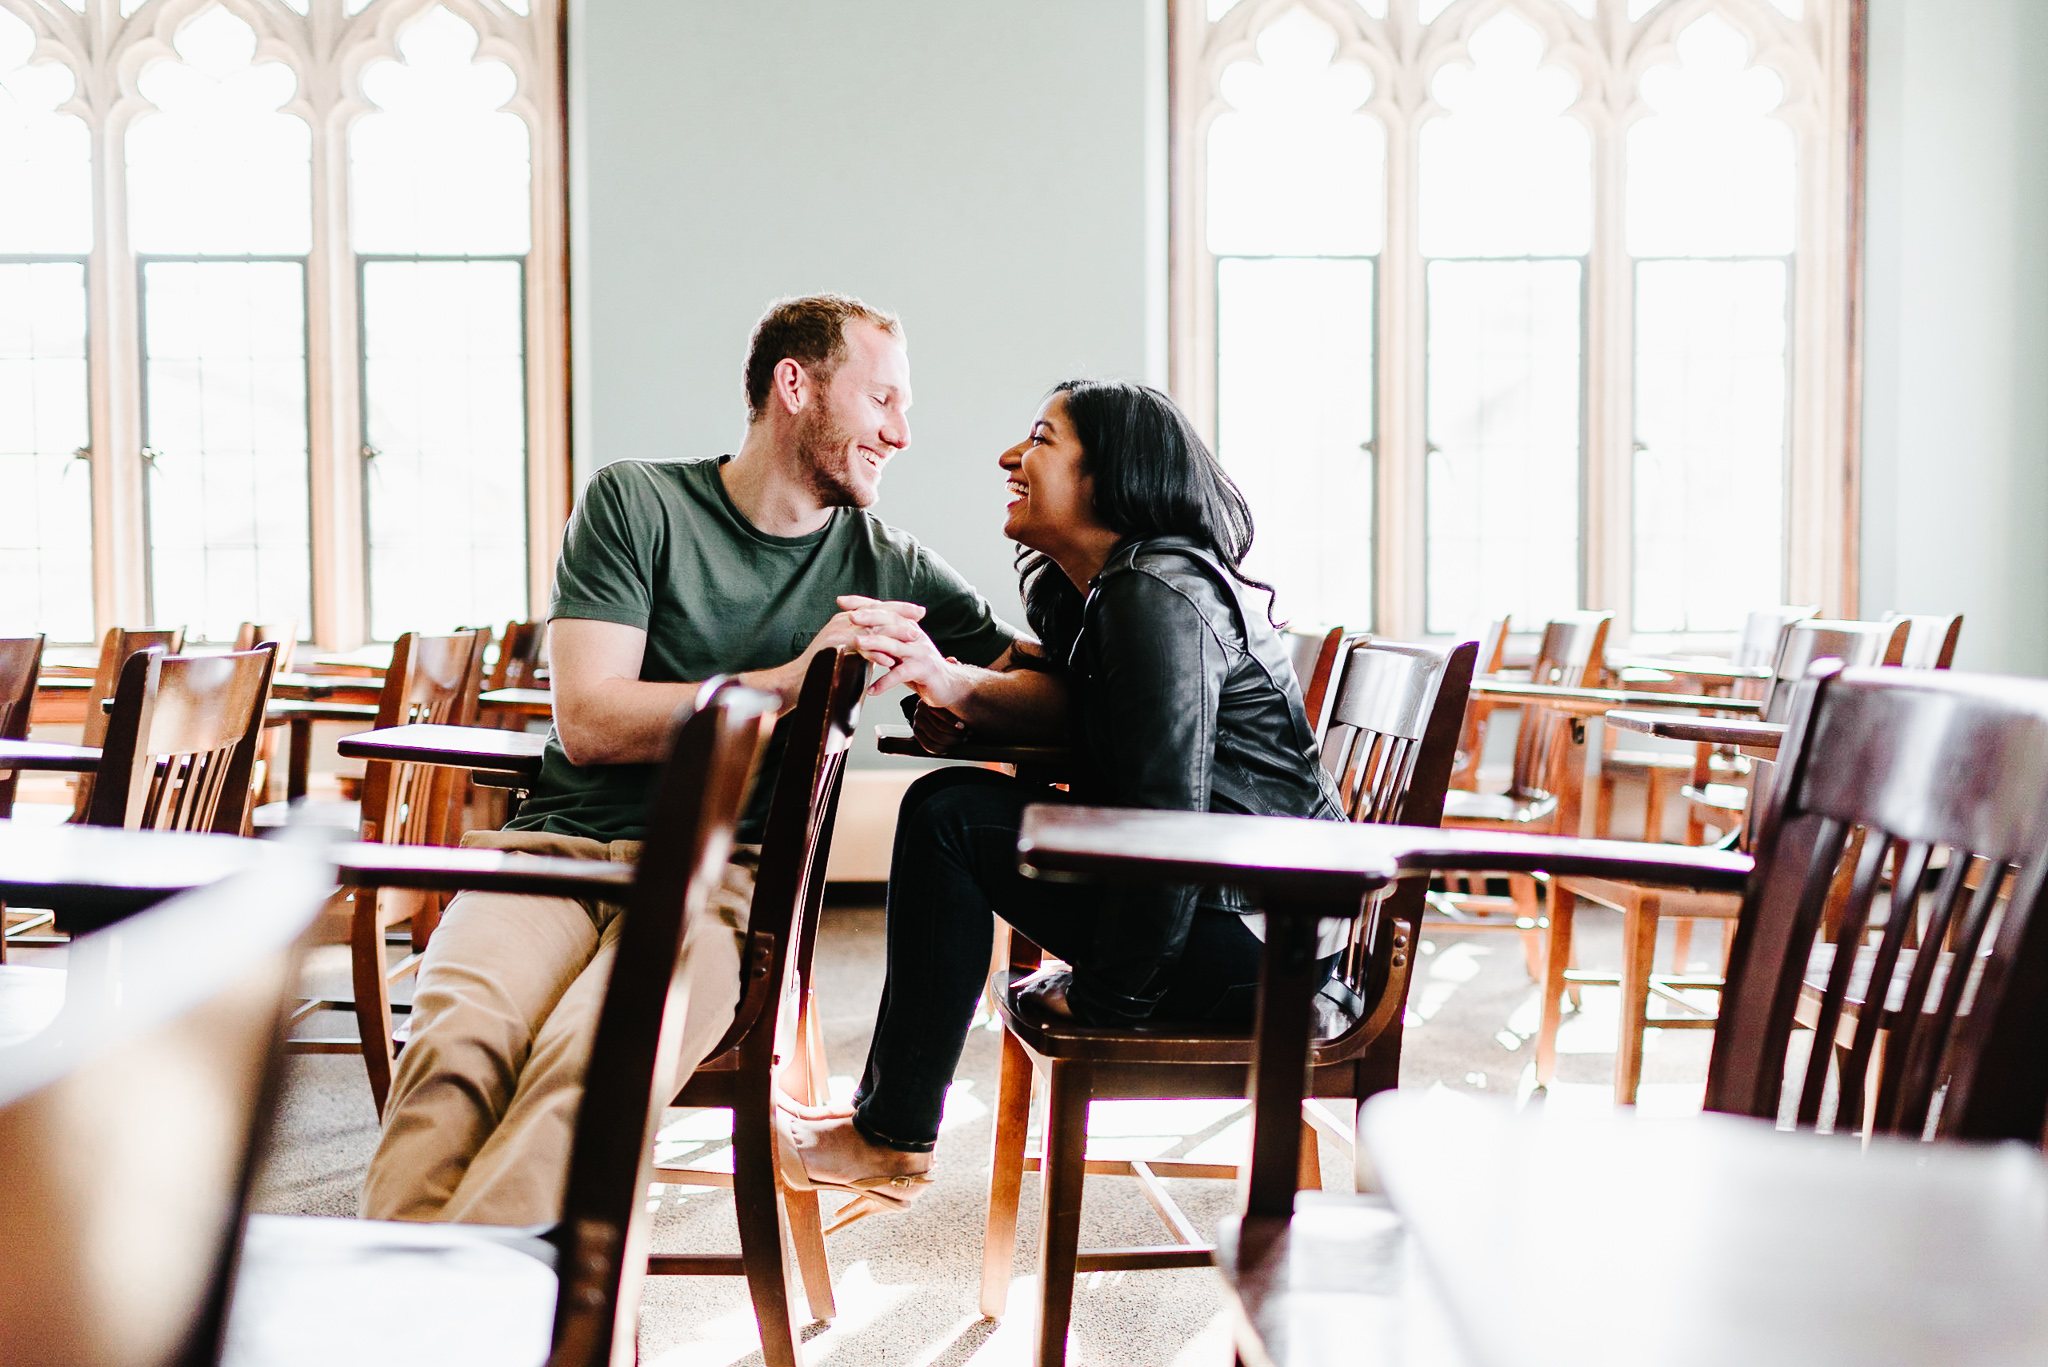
point(1048, 988)
point(891, 637)
point(936, 729)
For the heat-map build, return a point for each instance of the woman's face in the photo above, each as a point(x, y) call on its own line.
point(1052, 501)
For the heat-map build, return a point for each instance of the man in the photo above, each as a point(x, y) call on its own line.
point(670, 572)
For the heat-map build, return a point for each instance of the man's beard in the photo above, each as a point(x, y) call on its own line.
point(821, 451)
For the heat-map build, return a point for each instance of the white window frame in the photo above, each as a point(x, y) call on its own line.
point(1819, 57)
point(327, 51)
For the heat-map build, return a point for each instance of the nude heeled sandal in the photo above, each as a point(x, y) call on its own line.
point(872, 1195)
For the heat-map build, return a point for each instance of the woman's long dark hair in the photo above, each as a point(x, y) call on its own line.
point(1154, 476)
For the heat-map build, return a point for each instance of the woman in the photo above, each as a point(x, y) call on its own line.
point(1181, 697)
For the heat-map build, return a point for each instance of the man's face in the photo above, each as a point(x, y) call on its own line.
point(851, 426)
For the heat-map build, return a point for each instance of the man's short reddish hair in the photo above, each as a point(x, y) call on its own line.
point(811, 331)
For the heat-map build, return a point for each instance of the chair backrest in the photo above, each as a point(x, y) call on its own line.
point(1318, 658)
point(1930, 638)
point(121, 1236)
point(21, 660)
point(1493, 650)
point(285, 634)
point(789, 888)
point(1573, 647)
point(432, 680)
point(181, 741)
point(1763, 631)
point(1853, 643)
point(117, 647)
point(1392, 743)
point(519, 651)
point(1938, 770)
point(603, 1233)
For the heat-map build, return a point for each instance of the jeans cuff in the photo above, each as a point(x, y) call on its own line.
point(875, 1136)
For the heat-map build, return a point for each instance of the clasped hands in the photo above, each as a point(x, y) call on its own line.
point(888, 634)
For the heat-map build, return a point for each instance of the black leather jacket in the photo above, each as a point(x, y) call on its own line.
point(1184, 699)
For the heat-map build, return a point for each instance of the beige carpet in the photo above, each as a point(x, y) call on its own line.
point(907, 1286)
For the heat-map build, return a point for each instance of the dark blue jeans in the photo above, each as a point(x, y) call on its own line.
point(955, 861)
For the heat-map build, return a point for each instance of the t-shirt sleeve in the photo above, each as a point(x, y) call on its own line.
point(957, 618)
point(606, 569)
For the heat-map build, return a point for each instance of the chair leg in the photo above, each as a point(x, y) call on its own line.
point(1603, 804)
point(755, 1190)
point(807, 1234)
point(1557, 956)
point(1681, 944)
point(1064, 1171)
point(1653, 806)
point(373, 994)
point(1005, 1176)
point(1309, 1171)
point(1523, 888)
point(1638, 952)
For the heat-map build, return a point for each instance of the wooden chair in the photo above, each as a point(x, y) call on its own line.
point(116, 648)
point(21, 661)
point(442, 1291)
point(1493, 650)
point(285, 635)
point(181, 740)
point(130, 1228)
point(1930, 639)
point(1763, 632)
point(774, 1041)
point(1392, 739)
point(1641, 907)
point(519, 656)
point(1570, 656)
point(432, 679)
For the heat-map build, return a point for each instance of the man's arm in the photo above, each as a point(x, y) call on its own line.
point(605, 713)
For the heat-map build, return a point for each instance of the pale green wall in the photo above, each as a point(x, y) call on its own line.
point(993, 170)
point(1955, 505)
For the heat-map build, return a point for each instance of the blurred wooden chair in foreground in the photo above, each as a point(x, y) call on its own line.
point(131, 1226)
point(567, 1295)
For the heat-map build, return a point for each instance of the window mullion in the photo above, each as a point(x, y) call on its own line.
point(335, 429)
point(1402, 428)
point(1610, 419)
point(114, 383)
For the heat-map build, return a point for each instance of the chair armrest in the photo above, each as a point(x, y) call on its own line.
point(442, 868)
point(901, 740)
point(1424, 850)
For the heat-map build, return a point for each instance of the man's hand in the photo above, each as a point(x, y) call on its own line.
point(890, 636)
point(842, 632)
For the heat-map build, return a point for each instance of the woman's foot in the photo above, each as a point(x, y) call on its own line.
point(832, 1151)
point(830, 1155)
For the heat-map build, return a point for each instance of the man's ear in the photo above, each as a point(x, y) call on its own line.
point(792, 386)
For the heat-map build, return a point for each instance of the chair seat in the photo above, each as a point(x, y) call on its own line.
point(1496, 809)
point(29, 1000)
point(323, 1290)
point(275, 816)
point(1337, 1012)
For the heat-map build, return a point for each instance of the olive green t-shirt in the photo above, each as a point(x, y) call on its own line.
point(659, 545)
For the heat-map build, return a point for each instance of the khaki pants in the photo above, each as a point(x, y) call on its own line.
point(483, 1104)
